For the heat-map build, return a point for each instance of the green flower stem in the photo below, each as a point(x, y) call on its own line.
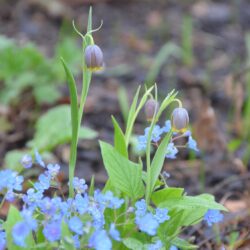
point(73, 150)
point(87, 75)
point(86, 79)
point(166, 102)
point(148, 160)
point(72, 163)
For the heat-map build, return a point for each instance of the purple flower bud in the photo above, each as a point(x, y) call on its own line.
point(151, 107)
point(180, 119)
point(26, 161)
point(93, 57)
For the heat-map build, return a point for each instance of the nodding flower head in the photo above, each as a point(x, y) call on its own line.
point(180, 119)
point(94, 58)
point(151, 108)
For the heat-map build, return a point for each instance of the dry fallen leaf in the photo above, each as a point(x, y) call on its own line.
point(235, 205)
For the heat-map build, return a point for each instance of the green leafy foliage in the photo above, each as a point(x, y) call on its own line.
point(26, 68)
point(51, 130)
point(123, 102)
point(134, 111)
point(185, 202)
point(182, 244)
point(13, 217)
point(67, 241)
point(12, 159)
point(132, 243)
point(119, 139)
point(54, 128)
point(125, 175)
point(158, 161)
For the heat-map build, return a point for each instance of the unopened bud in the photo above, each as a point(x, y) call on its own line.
point(93, 57)
point(26, 161)
point(130, 210)
point(180, 119)
point(151, 108)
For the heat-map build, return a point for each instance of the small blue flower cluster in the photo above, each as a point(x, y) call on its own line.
point(148, 222)
point(73, 211)
point(10, 183)
point(156, 135)
point(213, 216)
point(83, 214)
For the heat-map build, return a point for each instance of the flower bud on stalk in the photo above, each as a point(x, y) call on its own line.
point(93, 58)
point(151, 108)
point(180, 119)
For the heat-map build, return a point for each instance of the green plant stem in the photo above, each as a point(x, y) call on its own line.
point(72, 163)
point(148, 160)
point(86, 79)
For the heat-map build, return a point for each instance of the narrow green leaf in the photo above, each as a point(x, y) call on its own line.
point(73, 100)
point(123, 102)
point(125, 175)
point(74, 125)
point(92, 186)
point(90, 19)
point(119, 139)
point(135, 111)
point(132, 109)
point(162, 56)
point(158, 160)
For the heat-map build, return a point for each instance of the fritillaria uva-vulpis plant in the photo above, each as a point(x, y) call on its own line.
point(135, 210)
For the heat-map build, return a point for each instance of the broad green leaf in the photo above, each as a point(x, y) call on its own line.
point(54, 128)
point(188, 202)
point(189, 210)
point(68, 48)
point(12, 160)
point(47, 93)
point(158, 160)
point(165, 194)
point(13, 217)
point(125, 175)
point(119, 139)
point(183, 244)
point(193, 216)
point(172, 226)
point(87, 133)
point(132, 243)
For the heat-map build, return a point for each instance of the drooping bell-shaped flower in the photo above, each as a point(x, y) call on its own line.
point(151, 108)
point(180, 119)
point(94, 57)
